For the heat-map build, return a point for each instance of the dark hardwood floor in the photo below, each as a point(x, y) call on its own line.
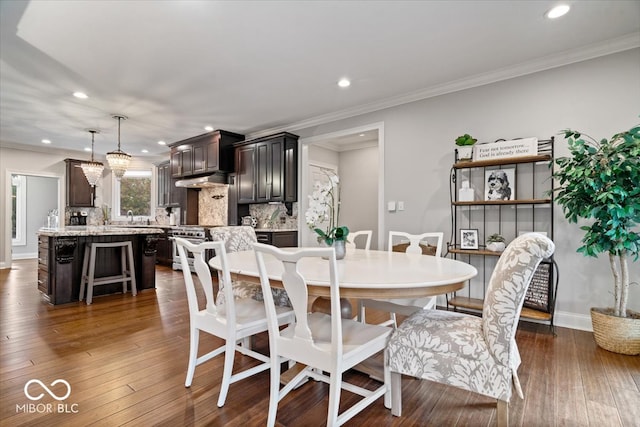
point(125, 359)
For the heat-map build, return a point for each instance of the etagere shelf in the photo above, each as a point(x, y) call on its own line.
point(528, 209)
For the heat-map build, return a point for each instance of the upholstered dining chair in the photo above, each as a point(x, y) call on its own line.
point(241, 238)
point(359, 235)
point(411, 244)
point(323, 343)
point(469, 352)
point(234, 321)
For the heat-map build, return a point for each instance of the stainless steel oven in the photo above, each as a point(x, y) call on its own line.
point(193, 234)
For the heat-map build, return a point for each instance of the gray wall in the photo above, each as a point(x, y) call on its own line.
point(359, 190)
point(42, 195)
point(599, 97)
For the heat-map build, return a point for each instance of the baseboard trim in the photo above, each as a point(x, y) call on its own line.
point(24, 256)
point(581, 322)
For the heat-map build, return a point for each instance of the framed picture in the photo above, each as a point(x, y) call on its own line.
point(500, 184)
point(469, 238)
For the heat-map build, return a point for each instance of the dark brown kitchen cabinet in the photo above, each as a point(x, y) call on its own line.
point(164, 184)
point(204, 154)
point(280, 239)
point(266, 169)
point(164, 248)
point(79, 192)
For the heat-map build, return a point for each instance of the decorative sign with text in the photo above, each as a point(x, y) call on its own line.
point(503, 149)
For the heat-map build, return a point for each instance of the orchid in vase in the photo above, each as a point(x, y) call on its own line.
point(324, 211)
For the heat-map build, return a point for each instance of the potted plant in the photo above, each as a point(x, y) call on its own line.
point(599, 182)
point(495, 243)
point(465, 146)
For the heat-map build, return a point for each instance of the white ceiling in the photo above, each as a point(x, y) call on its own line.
point(254, 67)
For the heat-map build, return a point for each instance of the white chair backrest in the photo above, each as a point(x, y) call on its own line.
point(415, 240)
point(204, 277)
point(296, 287)
point(507, 287)
point(351, 239)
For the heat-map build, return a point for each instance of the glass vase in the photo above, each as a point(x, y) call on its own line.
point(340, 248)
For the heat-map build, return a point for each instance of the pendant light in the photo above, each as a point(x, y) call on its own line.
point(118, 160)
point(92, 170)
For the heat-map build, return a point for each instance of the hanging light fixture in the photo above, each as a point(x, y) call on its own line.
point(92, 170)
point(118, 160)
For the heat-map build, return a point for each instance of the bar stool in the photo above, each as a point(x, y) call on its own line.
point(89, 264)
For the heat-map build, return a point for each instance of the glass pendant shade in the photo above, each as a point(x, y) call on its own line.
point(118, 160)
point(92, 170)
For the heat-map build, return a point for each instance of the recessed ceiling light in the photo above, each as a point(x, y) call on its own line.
point(87, 149)
point(362, 134)
point(145, 150)
point(46, 141)
point(80, 95)
point(208, 128)
point(557, 11)
point(344, 82)
point(162, 143)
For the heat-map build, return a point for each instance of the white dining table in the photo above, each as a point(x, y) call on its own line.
point(363, 273)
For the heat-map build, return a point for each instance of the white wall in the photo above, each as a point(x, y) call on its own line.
point(41, 196)
point(599, 97)
point(359, 190)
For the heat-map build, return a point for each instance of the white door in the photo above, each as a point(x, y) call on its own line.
point(317, 173)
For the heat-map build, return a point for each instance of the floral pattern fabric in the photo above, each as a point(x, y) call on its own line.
point(236, 239)
point(472, 353)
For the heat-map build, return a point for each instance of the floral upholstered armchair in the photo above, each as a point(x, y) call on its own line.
point(469, 352)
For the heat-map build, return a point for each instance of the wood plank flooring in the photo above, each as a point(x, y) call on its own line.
point(125, 359)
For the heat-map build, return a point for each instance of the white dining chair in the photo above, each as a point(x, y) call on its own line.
point(466, 351)
point(411, 244)
point(323, 343)
point(358, 235)
point(234, 321)
point(241, 238)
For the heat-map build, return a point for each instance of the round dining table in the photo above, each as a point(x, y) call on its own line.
point(363, 273)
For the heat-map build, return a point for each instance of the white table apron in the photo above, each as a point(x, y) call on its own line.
point(364, 274)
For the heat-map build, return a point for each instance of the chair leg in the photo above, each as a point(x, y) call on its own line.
point(132, 270)
point(92, 274)
point(85, 267)
point(335, 386)
point(123, 268)
point(503, 413)
point(229, 354)
point(396, 394)
point(193, 355)
point(361, 314)
point(274, 388)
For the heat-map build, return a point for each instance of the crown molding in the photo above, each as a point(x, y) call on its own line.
point(560, 59)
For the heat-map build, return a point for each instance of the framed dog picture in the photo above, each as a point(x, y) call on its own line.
point(469, 238)
point(500, 184)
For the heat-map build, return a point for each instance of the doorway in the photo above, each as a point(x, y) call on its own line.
point(357, 154)
point(32, 197)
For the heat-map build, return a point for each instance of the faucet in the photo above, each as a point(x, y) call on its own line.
point(130, 216)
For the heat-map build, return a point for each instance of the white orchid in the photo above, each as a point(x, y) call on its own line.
point(324, 206)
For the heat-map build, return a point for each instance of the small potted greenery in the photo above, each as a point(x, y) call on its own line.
point(465, 146)
point(495, 243)
point(599, 183)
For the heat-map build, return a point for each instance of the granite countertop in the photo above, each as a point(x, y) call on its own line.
point(97, 230)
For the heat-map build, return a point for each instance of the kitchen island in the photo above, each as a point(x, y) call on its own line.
point(61, 251)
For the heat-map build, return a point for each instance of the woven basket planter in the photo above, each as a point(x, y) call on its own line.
point(616, 334)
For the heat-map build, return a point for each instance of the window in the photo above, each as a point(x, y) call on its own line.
point(18, 210)
point(133, 193)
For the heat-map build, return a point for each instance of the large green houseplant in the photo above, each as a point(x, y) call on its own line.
point(600, 182)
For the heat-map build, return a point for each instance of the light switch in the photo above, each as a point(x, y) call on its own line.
point(391, 206)
point(400, 206)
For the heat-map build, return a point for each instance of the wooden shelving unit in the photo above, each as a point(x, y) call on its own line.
point(530, 210)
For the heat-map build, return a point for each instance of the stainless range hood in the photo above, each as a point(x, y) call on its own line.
point(214, 180)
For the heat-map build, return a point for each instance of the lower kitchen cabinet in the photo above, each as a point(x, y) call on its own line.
point(281, 239)
point(164, 249)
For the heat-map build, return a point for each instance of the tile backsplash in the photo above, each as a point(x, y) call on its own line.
point(274, 216)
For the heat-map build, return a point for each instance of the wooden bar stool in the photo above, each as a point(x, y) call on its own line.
point(89, 267)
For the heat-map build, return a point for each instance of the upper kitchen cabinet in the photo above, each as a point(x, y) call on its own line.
point(267, 169)
point(203, 154)
point(79, 192)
